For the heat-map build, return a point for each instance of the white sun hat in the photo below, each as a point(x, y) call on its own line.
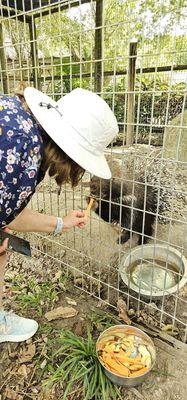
point(81, 123)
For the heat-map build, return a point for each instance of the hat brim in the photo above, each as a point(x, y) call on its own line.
point(63, 134)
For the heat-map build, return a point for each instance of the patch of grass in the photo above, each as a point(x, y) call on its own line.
point(159, 372)
point(38, 296)
point(100, 320)
point(75, 366)
point(45, 329)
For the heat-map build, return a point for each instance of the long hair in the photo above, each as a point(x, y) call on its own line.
point(58, 164)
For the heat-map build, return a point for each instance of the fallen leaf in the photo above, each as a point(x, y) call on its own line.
point(22, 370)
point(57, 276)
point(43, 364)
point(71, 301)
point(34, 390)
point(11, 394)
point(61, 312)
point(122, 310)
point(81, 282)
point(172, 330)
point(78, 328)
point(27, 354)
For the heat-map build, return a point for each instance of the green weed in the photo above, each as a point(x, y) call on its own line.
point(77, 366)
point(38, 296)
point(100, 320)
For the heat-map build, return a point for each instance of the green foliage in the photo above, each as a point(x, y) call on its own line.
point(159, 27)
point(66, 46)
point(37, 296)
point(100, 320)
point(156, 103)
point(77, 366)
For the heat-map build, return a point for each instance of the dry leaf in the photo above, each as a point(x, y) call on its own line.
point(43, 364)
point(78, 328)
point(27, 354)
point(71, 301)
point(172, 330)
point(57, 276)
point(22, 370)
point(61, 312)
point(11, 394)
point(122, 310)
point(34, 390)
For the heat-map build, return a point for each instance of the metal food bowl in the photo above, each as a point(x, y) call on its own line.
point(154, 271)
point(141, 338)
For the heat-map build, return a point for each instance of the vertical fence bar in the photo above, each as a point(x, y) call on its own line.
point(98, 45)
point(3, 61)
point(131, 85)
point(34, 51)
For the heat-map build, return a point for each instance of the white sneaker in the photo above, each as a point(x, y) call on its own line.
point(14, 328)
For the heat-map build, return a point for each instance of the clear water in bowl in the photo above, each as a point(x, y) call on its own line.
point(154, 275)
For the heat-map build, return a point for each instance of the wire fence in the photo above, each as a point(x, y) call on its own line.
point(60, 45)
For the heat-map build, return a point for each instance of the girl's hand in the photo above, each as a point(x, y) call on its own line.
point(4, 245)
point(74, 218)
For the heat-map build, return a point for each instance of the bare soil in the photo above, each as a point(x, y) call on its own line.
point(92, 258)
point(22, 379)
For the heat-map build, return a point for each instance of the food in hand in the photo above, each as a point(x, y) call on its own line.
point(89, 206)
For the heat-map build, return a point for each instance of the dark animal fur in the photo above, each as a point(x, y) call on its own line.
point(132, 206)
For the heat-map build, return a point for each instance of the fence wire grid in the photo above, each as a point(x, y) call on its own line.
point(135, 57)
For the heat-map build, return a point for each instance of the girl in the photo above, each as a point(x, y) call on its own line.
point(38, 135)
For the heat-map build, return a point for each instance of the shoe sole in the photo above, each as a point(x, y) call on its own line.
point(17, 339)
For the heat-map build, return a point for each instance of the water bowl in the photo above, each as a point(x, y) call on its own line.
point(154, 271)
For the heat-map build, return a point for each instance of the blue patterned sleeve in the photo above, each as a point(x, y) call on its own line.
point(19, 172)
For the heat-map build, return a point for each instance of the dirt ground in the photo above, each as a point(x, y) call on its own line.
point(92, 257)
point(24, 367)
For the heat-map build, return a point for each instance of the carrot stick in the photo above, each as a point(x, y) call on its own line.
point(139, 372)
point(89, 206)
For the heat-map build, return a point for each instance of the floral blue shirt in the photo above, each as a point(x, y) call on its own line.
point(21, 149)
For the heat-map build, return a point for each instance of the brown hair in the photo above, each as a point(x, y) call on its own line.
point(58, 164)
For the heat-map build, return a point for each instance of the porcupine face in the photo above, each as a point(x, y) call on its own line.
point(124, 203)
point(96, 191)
point(107, 198)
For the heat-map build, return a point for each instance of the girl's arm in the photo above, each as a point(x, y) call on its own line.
point(32, 221)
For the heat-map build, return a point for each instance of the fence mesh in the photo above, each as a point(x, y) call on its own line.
point(133, 55)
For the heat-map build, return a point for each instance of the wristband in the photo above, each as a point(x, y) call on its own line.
point(59, 226)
